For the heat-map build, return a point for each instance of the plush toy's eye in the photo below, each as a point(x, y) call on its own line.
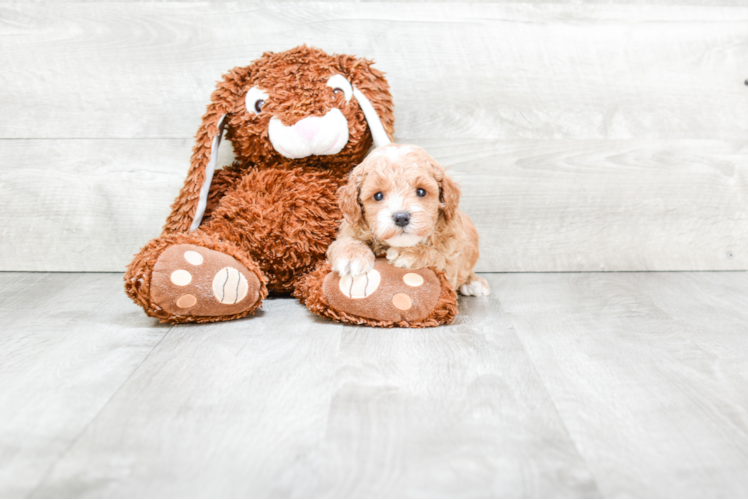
point(338, 83)
point(421, 192)
point(255, 100)
point(379, 196)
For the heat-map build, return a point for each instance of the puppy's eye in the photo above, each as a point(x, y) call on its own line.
point(258, 105)
point(379, 196)
point(337, 90)
point(421, 192)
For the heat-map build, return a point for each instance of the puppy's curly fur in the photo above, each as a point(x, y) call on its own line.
point(401, 183)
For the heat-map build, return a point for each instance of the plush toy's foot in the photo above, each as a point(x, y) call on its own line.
point(387, 296)
point(192, 281)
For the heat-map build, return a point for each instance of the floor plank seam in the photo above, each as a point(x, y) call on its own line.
point(62, 455)
point(562, 421)
point(11, 284)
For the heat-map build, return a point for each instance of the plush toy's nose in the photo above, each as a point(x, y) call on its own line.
point(401, 219)
point(308, 127)
point(313, 135)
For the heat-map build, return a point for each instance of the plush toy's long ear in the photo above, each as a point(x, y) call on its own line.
point(189, 207)
point(372, 92)
point(210, 168)
point(375, 124)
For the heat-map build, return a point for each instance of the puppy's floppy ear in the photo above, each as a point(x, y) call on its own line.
point(449, 196)
point(348, 198)
point(373, 95)
point(189, 207)
point(449, 192)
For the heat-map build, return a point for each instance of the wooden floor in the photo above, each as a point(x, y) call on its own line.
point(571, 384)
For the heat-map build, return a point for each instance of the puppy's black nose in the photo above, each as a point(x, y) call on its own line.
point(401, 219)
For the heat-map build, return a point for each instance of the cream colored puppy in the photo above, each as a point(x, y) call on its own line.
point(400, 203)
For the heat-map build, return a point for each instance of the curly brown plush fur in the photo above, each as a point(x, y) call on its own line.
point(296, 82)
point(273, 215)
point(269, 218)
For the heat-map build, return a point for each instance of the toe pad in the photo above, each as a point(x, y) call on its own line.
point(386, 293)
point(189, 280)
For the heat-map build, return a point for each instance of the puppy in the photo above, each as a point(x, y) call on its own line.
point(400, 203)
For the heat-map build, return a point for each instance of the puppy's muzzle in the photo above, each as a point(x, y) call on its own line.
point(401, 219)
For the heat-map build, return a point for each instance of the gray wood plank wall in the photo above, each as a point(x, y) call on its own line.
point(597, 136)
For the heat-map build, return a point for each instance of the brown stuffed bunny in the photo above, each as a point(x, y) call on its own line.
point(298, 124)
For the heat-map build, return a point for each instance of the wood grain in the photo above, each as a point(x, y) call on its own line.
point(587, 137)
point(647, 372)
point(288, 405)
point(478, 70)
point(67, 346)
point(450, 412)
point(587, 385)
point(89, 205)
point(604, 205)
point(529, 2)
point(86, 205)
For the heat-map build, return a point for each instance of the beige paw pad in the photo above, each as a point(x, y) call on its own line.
point(402, 301)
point(193, 257)
point(229, 286)
point(413, 279)
point(180, 277)
point(190, 280)
point(186, 301)
point(398, 295)
point(360, 286)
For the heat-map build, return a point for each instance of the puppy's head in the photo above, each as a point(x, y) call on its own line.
point(400, 195)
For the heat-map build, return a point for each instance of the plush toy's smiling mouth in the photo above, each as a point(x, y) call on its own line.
point(314, 135)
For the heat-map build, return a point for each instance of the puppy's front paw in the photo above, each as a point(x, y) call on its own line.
point(403, 262)
point(397, 259)
point(354, 264)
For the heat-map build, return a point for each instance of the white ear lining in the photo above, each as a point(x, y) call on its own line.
point(340, 82)
point(375, 124)
point(209, 170)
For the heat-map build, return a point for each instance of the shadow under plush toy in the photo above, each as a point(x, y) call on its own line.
point(298, 124)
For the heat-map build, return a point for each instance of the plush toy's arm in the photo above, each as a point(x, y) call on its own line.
point(223, 180)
